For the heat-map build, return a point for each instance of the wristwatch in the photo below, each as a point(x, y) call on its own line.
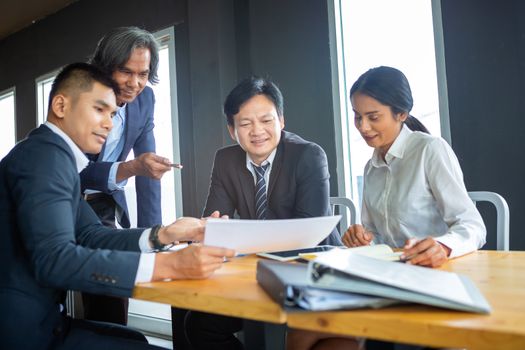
point(154, 238)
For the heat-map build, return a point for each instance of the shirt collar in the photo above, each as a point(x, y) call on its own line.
point(80, 158)
point(397, 150)
point(269, 160)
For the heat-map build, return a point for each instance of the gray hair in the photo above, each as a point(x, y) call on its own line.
point(115, 48)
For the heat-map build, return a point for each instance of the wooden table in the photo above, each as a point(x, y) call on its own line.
point(233, 291)
point(499, 275)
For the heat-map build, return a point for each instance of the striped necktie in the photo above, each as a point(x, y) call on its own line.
point(261, 201)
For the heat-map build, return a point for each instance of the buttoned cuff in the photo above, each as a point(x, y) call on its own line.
point(112, 179)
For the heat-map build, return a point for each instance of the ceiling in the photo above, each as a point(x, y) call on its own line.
point(18, 14)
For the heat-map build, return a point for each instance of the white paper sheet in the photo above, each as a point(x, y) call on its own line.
point(254, 236)
point(424, 280)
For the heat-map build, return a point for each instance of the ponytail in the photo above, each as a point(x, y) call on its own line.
point(415, 125)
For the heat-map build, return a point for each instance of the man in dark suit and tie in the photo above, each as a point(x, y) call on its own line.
point(52, 241)
point(130, 55)
point(269, 174)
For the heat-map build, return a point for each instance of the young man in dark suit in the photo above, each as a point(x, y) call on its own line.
point(130, 55)
point(269, 174)
point(52, 241)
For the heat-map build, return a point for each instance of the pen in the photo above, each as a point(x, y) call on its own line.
point(405, 259)
point(176, 165)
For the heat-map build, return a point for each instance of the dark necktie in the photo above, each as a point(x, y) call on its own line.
point(261, 201)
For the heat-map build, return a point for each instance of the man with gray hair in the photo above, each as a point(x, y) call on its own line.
point(130, 55)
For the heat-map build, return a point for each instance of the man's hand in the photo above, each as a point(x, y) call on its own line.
point(426, 252)
point(216, 214)
point(146, 164)
point(183, 229)
point(193, 262)
point(186, 229)
point(357, 236)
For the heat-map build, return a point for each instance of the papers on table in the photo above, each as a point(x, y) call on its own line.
point(343, 270)
point(377, 251)
point(253, 236)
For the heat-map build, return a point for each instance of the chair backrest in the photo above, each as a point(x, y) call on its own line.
point(502, 215)
point(345, 203)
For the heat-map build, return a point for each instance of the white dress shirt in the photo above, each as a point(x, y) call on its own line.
point(147, 261)
point(419, 192)
point(250, 163)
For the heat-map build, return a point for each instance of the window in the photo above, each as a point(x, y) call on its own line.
point(43, 88)
point(380, 33)
point(7, 113)
point(166, 133)
point(149, 316)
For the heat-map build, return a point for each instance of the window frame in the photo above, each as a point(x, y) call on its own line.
point(41, 114)
point(6, 93)
point(151, 325)
point(341, 106)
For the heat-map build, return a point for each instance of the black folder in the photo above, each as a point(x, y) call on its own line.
point(343, 270)
point(287, 284)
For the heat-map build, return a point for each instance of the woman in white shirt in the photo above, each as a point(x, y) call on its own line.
point(413, 196)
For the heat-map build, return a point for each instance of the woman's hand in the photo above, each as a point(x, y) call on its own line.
point(357, 236)
point(426, 252)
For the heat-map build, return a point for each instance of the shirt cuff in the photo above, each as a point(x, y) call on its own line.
point(144, 244)
point(145, 269)
point(112, 179)
point(458, 246)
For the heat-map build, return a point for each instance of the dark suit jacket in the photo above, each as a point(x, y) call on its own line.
point(139, 137)
point(298, 188)
point(52, 241)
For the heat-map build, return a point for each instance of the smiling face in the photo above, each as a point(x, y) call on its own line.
point(257, 128)
point(376, 122)
point(86, 116)
point(133, 75)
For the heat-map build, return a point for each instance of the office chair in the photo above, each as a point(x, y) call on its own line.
point(346, 204)
point(502, 215)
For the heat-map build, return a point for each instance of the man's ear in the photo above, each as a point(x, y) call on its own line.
point(281, 121)
point(231, 130)
point(59, 104)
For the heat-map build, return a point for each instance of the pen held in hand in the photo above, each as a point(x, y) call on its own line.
point(405, 259)
point(176, 165)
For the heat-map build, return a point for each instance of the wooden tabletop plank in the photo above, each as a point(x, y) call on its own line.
point(499, 275)
point(231, 291)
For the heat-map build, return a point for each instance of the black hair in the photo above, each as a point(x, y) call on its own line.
point(79, 77)
point(116, 47)
point(249, 88)
point(390, 87)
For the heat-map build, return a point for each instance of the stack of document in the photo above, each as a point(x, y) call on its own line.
point(287, 284)
point(345, 271)
point(369, 277)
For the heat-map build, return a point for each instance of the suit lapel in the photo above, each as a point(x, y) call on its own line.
point(131, 127)
point(247, 185)
point(276, 166)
